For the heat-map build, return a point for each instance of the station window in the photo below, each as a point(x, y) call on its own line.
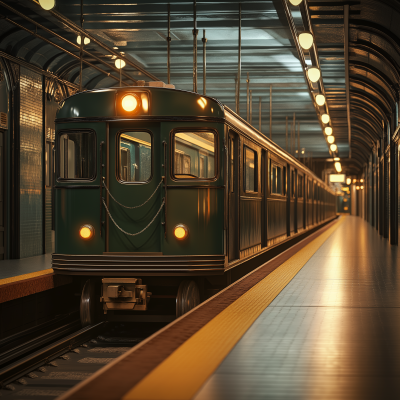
point(134, 156)
point(194, 155)
point(300, 186)
point(77, 156)
point(250, 170)
point(277, 179)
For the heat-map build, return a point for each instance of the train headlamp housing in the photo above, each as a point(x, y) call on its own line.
point(131, 103)
point(86, 232)
point(181, 232)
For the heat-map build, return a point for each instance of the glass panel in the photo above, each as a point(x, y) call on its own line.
point(276, 179)
point(300, 186)
point(232, 170)
point(135, 156)
point(77, 155)
point(194, 155)
point(250, 159)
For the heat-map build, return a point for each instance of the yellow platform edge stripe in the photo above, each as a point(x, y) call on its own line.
point(181, 375)
point(18, 278)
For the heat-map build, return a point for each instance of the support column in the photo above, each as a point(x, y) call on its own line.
point(204, 63)
point(239, 62)
point(195, 33)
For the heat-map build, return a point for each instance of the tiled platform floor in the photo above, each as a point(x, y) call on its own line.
point(332, 333)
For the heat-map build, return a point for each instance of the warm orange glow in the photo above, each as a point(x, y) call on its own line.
point(180, 232)
point(362, 180)
point(129, 103)
point(145, 103)
point(362, 187)
point(346, 208)
point(86, 232)
point(348, 181)
point(358, 187)
point(202, 102)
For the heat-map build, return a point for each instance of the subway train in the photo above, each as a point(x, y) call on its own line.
point(161, 194)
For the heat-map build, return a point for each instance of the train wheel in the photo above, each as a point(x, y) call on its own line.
point(87, 307)
point(188, 297)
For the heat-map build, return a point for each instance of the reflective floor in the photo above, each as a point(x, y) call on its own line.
point(11, 268)
point(332, 333)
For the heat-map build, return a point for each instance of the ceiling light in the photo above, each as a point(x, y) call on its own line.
point(338, 167)
point(362, 187)
point(119, 63)
point(328, 130)
point(331, 139)
point(348, 181)
point(86, 40)
point(320, 99)
point(325, 118)
point(313, 74)
point(47, 4)
point(362, 180)
point(333, 147)
point(295, 2)
point(306, 40)
point(336, 159)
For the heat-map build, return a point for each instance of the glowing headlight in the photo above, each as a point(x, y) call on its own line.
point(86, 232)
point(130, 103)
point(181, 231)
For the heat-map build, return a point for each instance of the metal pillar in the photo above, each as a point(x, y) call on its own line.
point(286, 134)
point(270, 112)
point(81, 52)
point(204, 63)
point(259, 114)
point(239, 62)
point(298, 140)
point(248, 98)
point(347, 73)
point(251, 108)
point(195, 33)
point(169, 44)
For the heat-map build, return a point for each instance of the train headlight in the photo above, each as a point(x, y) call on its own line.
point(181, 232)
point(130, 103)
point(86, 232)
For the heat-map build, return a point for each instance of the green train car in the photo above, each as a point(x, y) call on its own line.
point(160, 194)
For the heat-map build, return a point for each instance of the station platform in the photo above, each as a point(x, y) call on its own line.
point(26, 276)
point(321, 320)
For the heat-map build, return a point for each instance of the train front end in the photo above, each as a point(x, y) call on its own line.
point(139, 196)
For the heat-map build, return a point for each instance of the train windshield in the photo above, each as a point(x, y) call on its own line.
point(134, 156)
point(194, 155)
point(77, 159)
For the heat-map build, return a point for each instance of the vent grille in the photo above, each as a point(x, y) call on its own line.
point(3, 120)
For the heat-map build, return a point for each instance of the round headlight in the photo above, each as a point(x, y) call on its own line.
point(130, 103)
point(86, 232)
point(181, 232)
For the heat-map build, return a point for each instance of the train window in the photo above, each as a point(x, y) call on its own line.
point(77, 157)
point(293, 184)
point(250, 170)
point(134, 156)
point(232, 166)
point(300, 186)
point(194, 155)
point(276, 179)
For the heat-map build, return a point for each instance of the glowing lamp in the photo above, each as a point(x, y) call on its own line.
point(129, 103)
point(348, 181)
point(86, 232)
point(336, 159)
point(331, 139)
point(362, 187)
point(313, 74)
point(325, 118)
point(328, 130)
point(306, 40)
point(361, 180)
point(145, 103)
point(333, 147)
point(338, 167)
point(320, 99)
point(295, 2)
point(181, 232)
point(47, 4)
point(358, 187)
point(119, 63)
point(86, 40)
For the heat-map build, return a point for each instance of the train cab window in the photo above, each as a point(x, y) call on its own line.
point(276, 179)
point(134, 156)
point(250, 170)
point(194, 155)
point(300, 187)
point(77, 157)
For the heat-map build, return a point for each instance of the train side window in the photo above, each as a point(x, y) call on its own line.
point(300, 187)
point(276, 179)
point(250, 170)
point(77, 157)
point(293, 184)
point(194, 155)
point(134, 163)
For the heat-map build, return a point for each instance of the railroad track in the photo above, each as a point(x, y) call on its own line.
point(47, 370)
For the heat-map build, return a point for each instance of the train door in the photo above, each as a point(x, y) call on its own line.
point(264, 191)
point(233, 200)
point(134, 169)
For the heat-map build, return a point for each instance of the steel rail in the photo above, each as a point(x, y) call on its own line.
point(85, 33)
point(40, 26)
point(43, 356)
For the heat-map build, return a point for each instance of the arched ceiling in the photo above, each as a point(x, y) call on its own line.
point(47, 40)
